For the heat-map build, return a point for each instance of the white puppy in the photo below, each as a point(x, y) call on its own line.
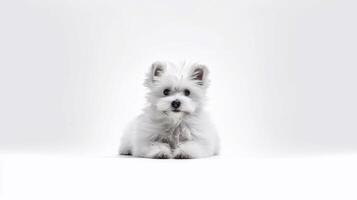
point(174, 124)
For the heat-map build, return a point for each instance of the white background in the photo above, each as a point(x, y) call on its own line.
point(283, 80)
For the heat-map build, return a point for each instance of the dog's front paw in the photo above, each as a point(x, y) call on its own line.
point(159, 151)
point(180, 154)
point(162, 155)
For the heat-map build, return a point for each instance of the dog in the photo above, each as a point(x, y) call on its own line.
point(174, 124)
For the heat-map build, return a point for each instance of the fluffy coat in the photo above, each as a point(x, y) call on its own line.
point(165, 130)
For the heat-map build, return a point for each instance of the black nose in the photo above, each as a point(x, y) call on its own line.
point(176, 104)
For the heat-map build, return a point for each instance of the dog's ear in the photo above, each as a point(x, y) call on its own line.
point(157, 69)
point(199, 74)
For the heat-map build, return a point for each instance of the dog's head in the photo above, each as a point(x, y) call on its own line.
point(177, 89)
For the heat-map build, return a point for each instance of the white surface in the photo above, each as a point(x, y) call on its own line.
point(60, 177)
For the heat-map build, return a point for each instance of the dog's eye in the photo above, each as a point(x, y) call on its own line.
point(166, 92)
point(187, 92)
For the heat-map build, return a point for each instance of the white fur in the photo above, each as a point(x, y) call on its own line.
point(161, 133)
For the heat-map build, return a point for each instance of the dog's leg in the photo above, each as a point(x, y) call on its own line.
point(157, 150)
point(193, 149)
point(124, 150)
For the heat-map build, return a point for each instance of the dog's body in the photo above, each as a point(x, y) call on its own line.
point(174, 125)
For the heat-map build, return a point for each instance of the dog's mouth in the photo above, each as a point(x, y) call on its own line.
point(175, 111)
point(180, 111)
